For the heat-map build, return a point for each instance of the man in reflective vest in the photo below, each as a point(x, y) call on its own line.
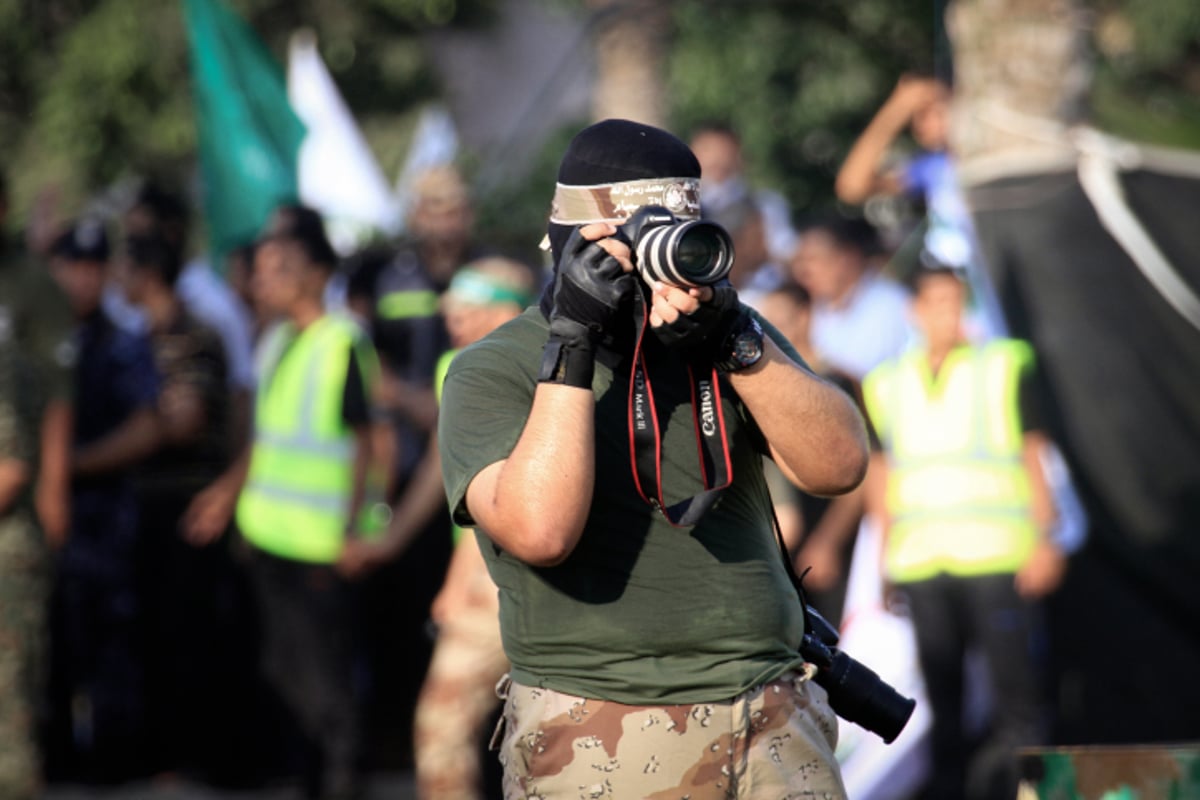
point(967, 516)
point(306, 492)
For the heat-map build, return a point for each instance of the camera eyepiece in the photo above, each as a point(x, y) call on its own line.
point(678, 252)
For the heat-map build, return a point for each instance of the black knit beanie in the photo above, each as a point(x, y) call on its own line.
point(616, 150)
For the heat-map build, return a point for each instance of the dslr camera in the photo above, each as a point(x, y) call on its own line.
point(855, 692)
point(677, 252)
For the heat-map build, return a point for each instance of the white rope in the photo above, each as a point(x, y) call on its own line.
point(1100, 160)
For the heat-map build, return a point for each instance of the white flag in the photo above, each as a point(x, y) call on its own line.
point(338, 174)
point(434, 143)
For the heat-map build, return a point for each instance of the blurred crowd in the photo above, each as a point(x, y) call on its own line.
point(224, 549)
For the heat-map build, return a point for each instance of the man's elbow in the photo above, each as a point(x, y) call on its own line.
point(540, 544)
point(844, 470)
point(850, 190)
point(853, 469)
point(550, 546)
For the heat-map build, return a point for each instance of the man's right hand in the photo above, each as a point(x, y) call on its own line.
point(208, 515)
point(913, 93)
point(593, 277)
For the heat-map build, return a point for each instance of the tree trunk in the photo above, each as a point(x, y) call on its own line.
point(1021, 76)
point(631, 43)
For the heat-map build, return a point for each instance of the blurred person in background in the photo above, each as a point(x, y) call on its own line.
point(98, 705)
point(921, 104)
point(859, 316)
point(194, 601)
point(239, 273)
point(819, 531)
point(410, 335)
point(967, 520)
point(208, 298)
point(406, 326)
point(36, 358)
point(301, 493)
point(718, 148)
point(754, 273)
point(458, 695)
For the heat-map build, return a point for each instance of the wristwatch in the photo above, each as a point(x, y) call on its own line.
point(743, 347)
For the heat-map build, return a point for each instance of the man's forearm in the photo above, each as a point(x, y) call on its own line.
point(814, 430)
point(840, 520)
point(361, 468)
point(534, 503)
point(56, 444)
point(135, 439)
point(52, 496)
point(1041, 500)
point(14, 477)
point(423, 497)
point(859, 173)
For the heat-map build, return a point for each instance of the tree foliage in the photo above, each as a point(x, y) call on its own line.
point(93, 90)
point(798, 81)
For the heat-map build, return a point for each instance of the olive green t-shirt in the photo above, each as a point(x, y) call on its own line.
point(37, 350)
point(641, 612)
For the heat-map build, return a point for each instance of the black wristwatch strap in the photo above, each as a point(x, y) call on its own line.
point(743, 346)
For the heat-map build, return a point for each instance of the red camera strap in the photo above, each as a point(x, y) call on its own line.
point(645, 436)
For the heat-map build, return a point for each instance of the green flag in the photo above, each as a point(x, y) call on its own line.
point(249, 136)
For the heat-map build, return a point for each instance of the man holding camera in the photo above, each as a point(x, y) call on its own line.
point(649, 619)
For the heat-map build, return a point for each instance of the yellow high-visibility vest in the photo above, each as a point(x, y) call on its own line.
point(297, 494)
point(957, 491)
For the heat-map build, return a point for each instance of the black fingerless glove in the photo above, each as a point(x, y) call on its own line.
point(588, 290)
point(699, 337)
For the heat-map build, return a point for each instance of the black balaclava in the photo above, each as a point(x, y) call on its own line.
point(613, 151)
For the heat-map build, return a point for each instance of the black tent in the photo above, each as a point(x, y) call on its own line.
point(1098, 264)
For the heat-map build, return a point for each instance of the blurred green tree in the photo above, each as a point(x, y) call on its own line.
point(798, 81)
point(91, 90)
point(94, 90)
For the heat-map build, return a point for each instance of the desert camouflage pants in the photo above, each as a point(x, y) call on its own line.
point(456, 700)
point(23, 595)
point(773, 742)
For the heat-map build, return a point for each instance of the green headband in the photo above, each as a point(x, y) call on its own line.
point(480, 289)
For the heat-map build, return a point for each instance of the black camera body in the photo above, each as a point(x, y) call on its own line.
point(855, 692)
point(677, 252)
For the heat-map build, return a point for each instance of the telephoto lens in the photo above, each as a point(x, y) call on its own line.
point(855, 692)
point(680, 253)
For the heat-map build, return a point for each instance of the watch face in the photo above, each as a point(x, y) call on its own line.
point(747, 348)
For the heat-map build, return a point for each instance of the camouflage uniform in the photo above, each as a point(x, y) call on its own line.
point(23, 592)
point(35, 360)
point(459, 695)
point(776, 740)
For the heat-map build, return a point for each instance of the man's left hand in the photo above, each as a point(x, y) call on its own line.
point(668, 302)
point(360, 557)
point(1042, 572)
point(694, 320)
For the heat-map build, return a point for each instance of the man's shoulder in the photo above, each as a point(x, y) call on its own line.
point(27, 283)
point(514, 344)
point(125, 348)
point(1019, 350)
point(203, 336)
